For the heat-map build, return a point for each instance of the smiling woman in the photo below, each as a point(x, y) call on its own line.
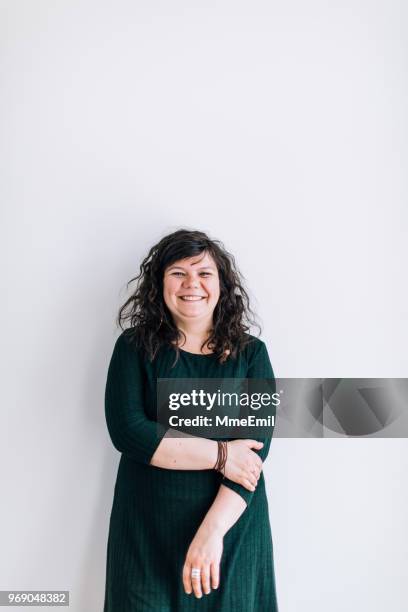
point(191, 290)
point(190, 515)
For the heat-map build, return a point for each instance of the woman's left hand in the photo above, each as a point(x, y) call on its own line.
point(204, 553)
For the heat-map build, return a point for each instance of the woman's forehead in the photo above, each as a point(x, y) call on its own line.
point(196, 262)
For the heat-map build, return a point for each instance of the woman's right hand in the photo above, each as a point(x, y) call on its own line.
point(243, 465)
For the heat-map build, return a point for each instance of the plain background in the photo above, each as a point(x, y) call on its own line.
point(279, 128)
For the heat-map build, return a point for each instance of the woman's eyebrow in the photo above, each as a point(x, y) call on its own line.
point(181, 268)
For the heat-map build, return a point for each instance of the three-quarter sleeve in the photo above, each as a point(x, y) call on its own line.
point(131, 431)
point(259, 367)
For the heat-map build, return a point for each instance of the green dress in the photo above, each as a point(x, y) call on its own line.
point(156, 512)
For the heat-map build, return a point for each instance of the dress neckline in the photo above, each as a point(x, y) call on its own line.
point(196, 354)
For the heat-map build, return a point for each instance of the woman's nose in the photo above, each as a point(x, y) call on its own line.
point(191, 282)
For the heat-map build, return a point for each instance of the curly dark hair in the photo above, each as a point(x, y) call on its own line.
point(151, 322)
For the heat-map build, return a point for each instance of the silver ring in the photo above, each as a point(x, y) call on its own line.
point(195, 572)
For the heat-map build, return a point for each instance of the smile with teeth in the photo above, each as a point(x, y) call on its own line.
point(191, 298)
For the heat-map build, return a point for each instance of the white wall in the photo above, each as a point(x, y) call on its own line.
point(278, 127)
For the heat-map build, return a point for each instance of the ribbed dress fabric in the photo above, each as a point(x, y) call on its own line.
point(156, 511)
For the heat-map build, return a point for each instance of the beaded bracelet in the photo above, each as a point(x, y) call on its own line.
point(221, 457)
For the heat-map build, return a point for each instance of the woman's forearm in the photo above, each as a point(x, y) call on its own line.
point(224, 512)
point(185, 453)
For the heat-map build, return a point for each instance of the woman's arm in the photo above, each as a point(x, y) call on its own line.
point(205, 550)
point(259, 367)
point(132, 433)
point(185, 453)
point(243, 466)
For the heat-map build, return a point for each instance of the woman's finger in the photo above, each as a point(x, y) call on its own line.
point(205, 579)
point(252, 478)
point(187, 579)
point(215, 575)
point(196, 582)
point(248, 485)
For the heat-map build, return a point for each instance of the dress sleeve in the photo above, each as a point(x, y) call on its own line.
point(259, 367)
point(131, 431)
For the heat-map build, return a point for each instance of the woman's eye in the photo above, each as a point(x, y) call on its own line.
point(181, 273)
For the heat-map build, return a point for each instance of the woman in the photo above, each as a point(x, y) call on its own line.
point(186, 532)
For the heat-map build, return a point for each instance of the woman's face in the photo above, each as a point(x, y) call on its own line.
point(191, 288)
